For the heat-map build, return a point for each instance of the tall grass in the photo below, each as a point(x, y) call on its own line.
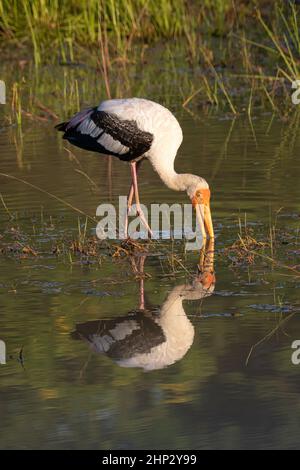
point(231, 55)
point(284, 37)
point(54, 24)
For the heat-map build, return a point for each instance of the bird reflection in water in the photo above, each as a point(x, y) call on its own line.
point(152, 339)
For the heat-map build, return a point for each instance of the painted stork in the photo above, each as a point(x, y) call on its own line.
point(134, 129)
point(151, 338)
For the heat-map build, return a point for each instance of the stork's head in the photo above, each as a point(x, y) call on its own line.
point(199, 193)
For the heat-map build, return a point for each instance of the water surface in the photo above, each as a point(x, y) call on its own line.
point(63, 394)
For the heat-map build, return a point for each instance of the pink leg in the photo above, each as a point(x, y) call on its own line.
point(137, 199)
point(129, 201)
point(130, 197)
point(129, 204)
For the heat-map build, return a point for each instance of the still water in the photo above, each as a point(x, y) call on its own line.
point(85, 368)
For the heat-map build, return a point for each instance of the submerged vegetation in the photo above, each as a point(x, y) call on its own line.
point(271, 247)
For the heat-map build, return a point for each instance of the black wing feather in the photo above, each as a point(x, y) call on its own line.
point(124, 132)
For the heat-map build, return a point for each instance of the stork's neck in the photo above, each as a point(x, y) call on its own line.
point(164, 166)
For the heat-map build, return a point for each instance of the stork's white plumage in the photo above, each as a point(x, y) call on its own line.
point(134, 129)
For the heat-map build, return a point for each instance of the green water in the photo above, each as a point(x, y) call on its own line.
point(64, 395)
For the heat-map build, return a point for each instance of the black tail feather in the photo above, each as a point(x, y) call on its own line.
point(61, 126)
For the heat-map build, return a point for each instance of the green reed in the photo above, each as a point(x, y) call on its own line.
point(237, 56)
point(47, 23)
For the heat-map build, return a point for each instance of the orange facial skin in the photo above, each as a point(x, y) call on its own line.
point(201, 204)
point(202, 196)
